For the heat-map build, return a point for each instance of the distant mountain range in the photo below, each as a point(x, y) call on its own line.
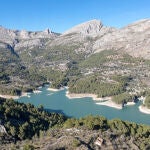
point(133, 39)
point(30, 58)
point(89, 58)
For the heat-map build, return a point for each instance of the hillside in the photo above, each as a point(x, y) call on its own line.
point(88, 50)
point(22, 126)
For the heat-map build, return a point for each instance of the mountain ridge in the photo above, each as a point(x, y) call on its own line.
point(133, 38)
point(39, 52)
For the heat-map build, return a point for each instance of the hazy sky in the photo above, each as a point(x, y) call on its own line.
point(60, 15)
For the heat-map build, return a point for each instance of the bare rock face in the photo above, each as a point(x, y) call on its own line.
point(92, 28)
point(6, 35)
point(3, 45)
point(14, 37)
point(92, 35)
point(139, 26)
point(28, 44)
point(2, 129)
point(133, 39)
point(83, 34)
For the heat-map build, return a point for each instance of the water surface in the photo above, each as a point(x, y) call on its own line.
point(58, 102)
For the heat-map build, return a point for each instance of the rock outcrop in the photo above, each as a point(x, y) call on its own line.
point(133, 39)
point(2, 129)
point(92, 28)
point(24, 38)
point(92, 35)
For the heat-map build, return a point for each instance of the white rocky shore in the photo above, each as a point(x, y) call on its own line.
point(83, 95)
point(55, 90)
point(110, 103)
point(37, 91)
point(14, 97)
point(144, 109)
point(107, 101)
point(130, 104)
point(100, 101)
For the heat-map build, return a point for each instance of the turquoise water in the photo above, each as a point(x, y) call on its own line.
point(58, 102)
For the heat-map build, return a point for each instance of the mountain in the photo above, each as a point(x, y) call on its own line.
point(92, 27)
point(133, 39)
point(12, 35)
point(86, 50)
point(89, 58)
point(23, 38)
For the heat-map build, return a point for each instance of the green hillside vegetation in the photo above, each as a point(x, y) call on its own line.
point(60, 78)
point(14, 72)
point(109, 56)
point(123, 98)
point(94, 84)
point(116, 125)
point(23, 121)
point(147, 101)
point(140, 133)
point(64, 52)
point(96, 60)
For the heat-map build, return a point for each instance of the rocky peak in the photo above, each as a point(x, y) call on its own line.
point(19, 38)
point(47, 31)
point(87, 28)
point(138, 26)
point(24, 34)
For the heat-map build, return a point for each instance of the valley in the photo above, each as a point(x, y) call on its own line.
point(82, 58)
point(108, 64)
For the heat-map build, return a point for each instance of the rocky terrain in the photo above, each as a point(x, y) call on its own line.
point(24, 126)
point(79, 139)
point(133, 39)
point(87, 48)
point(87, 55)
point(89, 37)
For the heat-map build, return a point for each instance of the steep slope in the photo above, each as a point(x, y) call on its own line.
point(53, 131)
point(25, 39)
point(133, 39)
point(9, 36)
point(16, 71)
point(92, 27)
point(44, 51)
point(14, 75)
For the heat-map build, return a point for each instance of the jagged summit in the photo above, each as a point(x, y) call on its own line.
point(89, 27)
point(47, 31)
point(9, 36)
point(133, 38)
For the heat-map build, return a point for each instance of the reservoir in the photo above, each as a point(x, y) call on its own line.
point(58, 102)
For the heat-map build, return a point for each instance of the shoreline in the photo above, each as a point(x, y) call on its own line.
point(9, 96)
point(144, 109)
point(84, 95)
point(15, 96)
point(129, 104)
point(110, 103)
point(106, 101)
point(37, 91)
point(55, 90)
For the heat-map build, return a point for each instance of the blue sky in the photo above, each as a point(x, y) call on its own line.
point(60, 15)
